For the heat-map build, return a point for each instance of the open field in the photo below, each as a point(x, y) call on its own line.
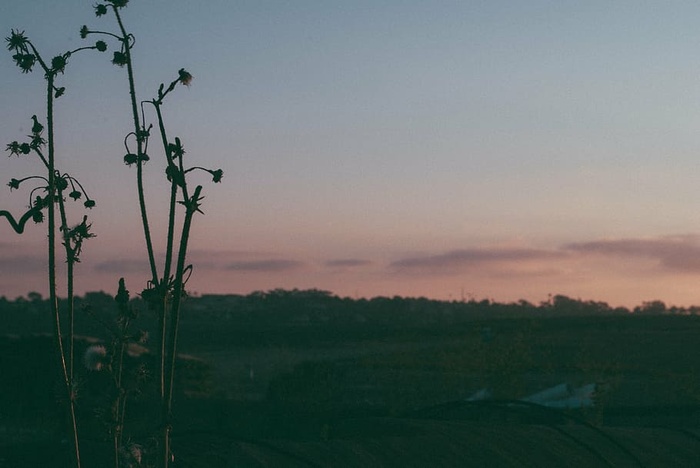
point(263, 391)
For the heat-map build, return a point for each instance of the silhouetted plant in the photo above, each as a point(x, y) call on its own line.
point(47, 194)
point(165, 291)
point(111, 360)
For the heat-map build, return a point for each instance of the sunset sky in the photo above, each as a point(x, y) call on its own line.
point(479, 149)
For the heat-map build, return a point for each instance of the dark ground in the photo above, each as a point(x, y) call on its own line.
point(309, 386)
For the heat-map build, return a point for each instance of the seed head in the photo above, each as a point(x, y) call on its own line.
point(119, 59)
point(217, 175)
point(100, 9)
point(184, 77)
point(58, 63)
point(17, 41)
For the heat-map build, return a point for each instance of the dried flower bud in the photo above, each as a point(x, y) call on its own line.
point(14, 184)
point(13, 148)
point(119, 59)
point(175, 175)
point(130, 159)
point(184, 77)
point(59, 92)
point(101, 46)
point(24, 61)
point(75, 195)
point(100, 10)
point(37, 141)
point(217, 175)
point(38, 217)
point(84, 31)
point(89, 203)
point(58, 63)
point(17, 41)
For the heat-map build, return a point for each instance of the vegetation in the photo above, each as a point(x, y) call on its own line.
point(302, 365)
point(164, 292)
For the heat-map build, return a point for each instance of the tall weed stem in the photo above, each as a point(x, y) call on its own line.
point(53, 295)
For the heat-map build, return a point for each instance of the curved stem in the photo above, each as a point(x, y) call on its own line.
point(106, 34)
point(18, 226)
point(42, 64)
point(41, 155)
point(82, 48)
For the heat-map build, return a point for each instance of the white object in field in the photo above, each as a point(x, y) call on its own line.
point(564, 396)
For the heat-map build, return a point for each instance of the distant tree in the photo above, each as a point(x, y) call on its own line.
point(651, 308)
point(34, 297)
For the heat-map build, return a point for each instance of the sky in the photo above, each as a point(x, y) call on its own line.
point(499, 150)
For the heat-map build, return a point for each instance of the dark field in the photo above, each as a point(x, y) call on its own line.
point(307, 379)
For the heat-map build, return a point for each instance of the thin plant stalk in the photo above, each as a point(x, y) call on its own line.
point(164, 293)
point(169, 247)
point(120, 344)
point(119, 417)
point(161, 287)
point(70, 263)
point(173, 195)
point(168, 373)
point(53, 296)
point(178, 292)
point(168, 255)
point(139, 145)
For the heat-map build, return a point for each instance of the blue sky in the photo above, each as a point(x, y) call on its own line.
point(505, 149)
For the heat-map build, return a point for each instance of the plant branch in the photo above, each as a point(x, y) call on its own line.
point(139, 143)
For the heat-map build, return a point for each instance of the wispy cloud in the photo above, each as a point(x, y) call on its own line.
point(464, 259)
point(122, 266)
point(676, 253)
point(211, 260)
point(347, 263)
point(270, 266)
point(22, 264)
point(212, 254)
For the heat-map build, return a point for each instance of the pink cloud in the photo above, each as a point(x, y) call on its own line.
point(675, 253)
point(455, 261)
